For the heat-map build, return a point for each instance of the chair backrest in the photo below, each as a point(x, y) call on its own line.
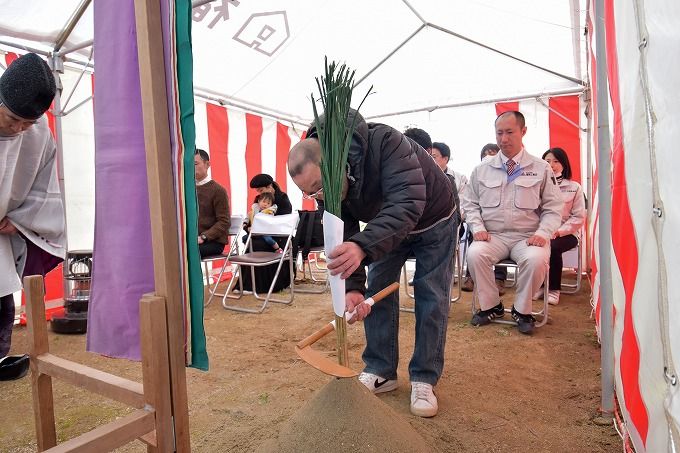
point(274, 225)
point(236, 225)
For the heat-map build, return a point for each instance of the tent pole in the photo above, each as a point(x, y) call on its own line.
point(71, 24)
point(576, 30)
point(57, 66)
point(589, 177)
point(605, 208)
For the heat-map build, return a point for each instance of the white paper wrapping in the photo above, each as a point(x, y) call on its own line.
point(332, 237)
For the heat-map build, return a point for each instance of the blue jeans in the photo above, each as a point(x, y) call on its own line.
point(270, 242)
point(433, 250)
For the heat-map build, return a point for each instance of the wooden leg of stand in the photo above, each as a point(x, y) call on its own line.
point(41, 384)
point(156, 368)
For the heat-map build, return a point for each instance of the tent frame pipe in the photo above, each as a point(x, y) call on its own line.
point(82, 45)
point(231, 100)
point(78, 105)
point(605, 217)
point(42, 52)
point(223, 102)
point(413, 10)
point(59, 139)
point(197, 3)
point(589, 178)
point(567, 120)
point(505, 54)
point(75, 86)
point(389, 55)
point(71, 24)
point(576, 36)
point(23, 47)
point(519, 97)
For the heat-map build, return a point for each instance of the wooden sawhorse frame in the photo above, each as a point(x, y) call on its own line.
point(151, 422)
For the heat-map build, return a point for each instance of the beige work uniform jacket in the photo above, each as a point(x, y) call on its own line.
point(530, 203)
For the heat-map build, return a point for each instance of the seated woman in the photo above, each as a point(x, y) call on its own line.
point(573, 215)
point(264, 183)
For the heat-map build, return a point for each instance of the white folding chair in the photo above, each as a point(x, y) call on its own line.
point(234, 235)
point(457, 275)
point(573, 259)
point(306, 266)
point(542, 315)
point(264, 225)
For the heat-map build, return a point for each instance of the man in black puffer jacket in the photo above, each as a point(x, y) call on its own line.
point(407, 202)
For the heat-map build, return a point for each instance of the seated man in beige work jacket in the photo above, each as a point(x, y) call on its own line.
point(513, 206)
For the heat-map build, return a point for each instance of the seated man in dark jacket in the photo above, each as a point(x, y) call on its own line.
point(407, 202)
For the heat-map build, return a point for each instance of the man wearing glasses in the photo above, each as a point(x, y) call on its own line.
point(394, 186)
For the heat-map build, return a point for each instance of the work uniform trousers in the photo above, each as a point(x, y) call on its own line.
point(532, 262)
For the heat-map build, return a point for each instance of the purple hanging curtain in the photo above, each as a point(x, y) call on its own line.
point(122, 264)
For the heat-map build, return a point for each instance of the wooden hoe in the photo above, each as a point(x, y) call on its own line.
point(319, 361)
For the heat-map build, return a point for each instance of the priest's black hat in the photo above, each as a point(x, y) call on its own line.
point(27, 87)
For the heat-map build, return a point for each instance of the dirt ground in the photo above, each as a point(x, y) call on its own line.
point(501, 391)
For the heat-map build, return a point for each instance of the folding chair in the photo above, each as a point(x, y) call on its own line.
point(264, 225)
point(235, 230)
point(457, 275)
point(573, 259)
point(306, 266)
point(541, 314)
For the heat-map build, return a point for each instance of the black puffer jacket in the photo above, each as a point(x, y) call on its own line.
point(395, 187)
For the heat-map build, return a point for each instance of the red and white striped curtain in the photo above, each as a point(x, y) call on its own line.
point(242, 145)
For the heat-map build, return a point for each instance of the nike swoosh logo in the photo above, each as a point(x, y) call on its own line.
point(378, 384)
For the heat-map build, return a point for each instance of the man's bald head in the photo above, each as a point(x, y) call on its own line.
point(307, 151)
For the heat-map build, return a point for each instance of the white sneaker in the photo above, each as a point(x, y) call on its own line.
point(423, 401)
point(553, 297)
point(538, 294)
point(376, 384)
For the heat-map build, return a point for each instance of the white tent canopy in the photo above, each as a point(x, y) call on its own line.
point(264, 56)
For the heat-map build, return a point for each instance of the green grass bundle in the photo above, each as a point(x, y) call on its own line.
point(335, 91)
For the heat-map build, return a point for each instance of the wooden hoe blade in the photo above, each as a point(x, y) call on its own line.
point(323, 363)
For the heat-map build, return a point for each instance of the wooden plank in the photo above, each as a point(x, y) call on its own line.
point(156, 368)
point(162, 208)
point(110, 436)
point(100, 382)
point(41, 385)
point(150, 440)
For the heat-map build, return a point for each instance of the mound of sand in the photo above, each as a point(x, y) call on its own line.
point(345, 417)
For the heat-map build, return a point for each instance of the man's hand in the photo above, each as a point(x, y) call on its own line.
point(536, 240)
point(200, 240)
point(556, 234)
point(6, 227)
point(355, 300)
point(345, 259)
point(481, 236)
